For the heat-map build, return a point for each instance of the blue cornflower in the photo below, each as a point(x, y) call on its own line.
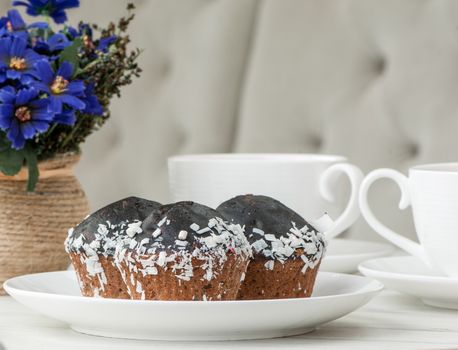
point(13, 23)
point(67, 117)
point(55, 42)
point(83, 29)
point(84, 32)
point(60, 86)
point(23, 115)
point(93, 105)
point(104, 43)
point(16, 60)
point(53, 8)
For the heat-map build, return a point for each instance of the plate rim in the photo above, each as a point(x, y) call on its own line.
point(372, 286)
point(389, 249)
point(377, 273)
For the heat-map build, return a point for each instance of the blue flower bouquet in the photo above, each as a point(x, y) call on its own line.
point(56, 82)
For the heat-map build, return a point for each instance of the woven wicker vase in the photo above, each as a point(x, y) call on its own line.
point(34, 225)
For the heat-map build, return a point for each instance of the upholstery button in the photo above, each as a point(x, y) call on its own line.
point(315, 141)
point(166, 67)
point(380, 65)
point(413, 150)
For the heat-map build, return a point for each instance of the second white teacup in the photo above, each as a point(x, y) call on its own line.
point(301, 181)
point(432, 191)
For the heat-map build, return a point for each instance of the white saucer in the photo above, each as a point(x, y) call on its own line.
point(410, 275)
point(56, 294)
point(344, 255)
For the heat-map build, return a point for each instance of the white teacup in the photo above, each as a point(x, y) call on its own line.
point(432, 190)
point(301, 181)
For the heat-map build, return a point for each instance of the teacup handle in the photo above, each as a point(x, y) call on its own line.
point(351, 212)
point(402, 181)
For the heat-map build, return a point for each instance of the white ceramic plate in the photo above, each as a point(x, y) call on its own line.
point(344, 255)
point(56, 294)
point(410, 275)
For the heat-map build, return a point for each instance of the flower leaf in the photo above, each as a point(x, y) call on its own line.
point(70, 53)
point(11, 160)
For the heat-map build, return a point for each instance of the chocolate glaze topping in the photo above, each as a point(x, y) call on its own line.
point(100, 230)
point(261, 212)
point(179, 225)
point(274, 231)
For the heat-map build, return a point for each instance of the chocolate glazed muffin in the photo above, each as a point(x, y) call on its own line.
point(92, 243)
point(287, 250)
point(186, 251)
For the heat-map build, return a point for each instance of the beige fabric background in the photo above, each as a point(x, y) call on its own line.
point(376, 81)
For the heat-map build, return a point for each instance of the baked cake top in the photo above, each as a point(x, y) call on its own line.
point(181, 232)
point(100, 232)
point(275, 232)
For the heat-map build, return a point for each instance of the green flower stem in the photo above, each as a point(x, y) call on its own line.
point(51, 129)
point(46, 31)
point(90, 65)
point(32, 165)
point(74, 129)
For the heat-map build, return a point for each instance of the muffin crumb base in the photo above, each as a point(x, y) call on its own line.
point(92, 286)
point(283, 281)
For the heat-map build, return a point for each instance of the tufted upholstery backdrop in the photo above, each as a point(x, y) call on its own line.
point(376, 81)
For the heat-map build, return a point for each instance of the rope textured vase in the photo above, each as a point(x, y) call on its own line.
point(34, 225)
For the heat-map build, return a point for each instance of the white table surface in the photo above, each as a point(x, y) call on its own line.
point(390, 321)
